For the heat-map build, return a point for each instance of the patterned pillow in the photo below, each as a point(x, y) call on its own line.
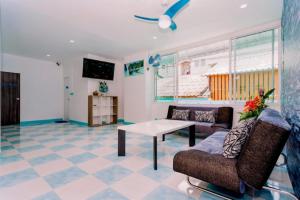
point(236, 138)
point(181, 114)
point(205, 116)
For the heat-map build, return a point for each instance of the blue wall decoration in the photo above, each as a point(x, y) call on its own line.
point(154, 61)
point(134, 68)
point(290, 97)
point(166, 20)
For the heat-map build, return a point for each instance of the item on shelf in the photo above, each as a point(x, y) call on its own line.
point(96, 93)
point(103, 88)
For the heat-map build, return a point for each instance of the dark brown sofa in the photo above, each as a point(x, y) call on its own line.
point(253, 166)
point(224, 116)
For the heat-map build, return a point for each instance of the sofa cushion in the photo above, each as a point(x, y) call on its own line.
point(273, 117)
point(263, 147)
point(236, 138)
point(205, 116)
point(221, 125)
point(181, 114)
point(212, 168)
point(213, 144)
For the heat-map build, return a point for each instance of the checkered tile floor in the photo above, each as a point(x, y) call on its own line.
point(67, 161)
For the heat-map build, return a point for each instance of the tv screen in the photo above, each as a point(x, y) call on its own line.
point(98, 69)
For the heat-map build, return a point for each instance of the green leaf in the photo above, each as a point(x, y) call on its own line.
point(268, 94)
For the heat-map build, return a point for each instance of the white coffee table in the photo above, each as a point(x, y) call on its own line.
point(155, 129)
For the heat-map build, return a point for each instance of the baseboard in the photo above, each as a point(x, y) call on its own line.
point(39, 122)
point(78, 122)
point(123, 121)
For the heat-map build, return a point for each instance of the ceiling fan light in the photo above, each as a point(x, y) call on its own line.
point(164, 21)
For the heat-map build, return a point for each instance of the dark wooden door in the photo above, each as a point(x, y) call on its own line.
point(10, 98)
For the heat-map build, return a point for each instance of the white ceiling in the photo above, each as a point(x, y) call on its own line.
point(35, 28)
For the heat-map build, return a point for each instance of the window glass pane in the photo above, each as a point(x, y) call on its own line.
point(203, 72)
point(255, 64)
point(165, 79)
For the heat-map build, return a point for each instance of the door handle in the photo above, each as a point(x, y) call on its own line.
point(18, 99)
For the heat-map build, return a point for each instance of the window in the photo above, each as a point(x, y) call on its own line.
point(198, 69)
point(165, 79)
point(227, 70)
point(255, 64)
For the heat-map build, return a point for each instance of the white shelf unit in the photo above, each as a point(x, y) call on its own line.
point(103, 110)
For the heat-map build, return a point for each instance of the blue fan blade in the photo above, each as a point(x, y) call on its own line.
point(157, 57)
point(146, 18)
point(174, 9)
point(151, 60)
point(173, 26)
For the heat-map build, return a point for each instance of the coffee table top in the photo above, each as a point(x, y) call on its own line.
point(156, 127)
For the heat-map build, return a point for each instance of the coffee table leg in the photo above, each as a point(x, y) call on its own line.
point(192, 135)
point(155, 152)
point(121, 143)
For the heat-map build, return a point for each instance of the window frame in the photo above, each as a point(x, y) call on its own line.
point(232, 75)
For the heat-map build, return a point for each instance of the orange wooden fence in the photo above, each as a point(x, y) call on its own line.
point(247, 85)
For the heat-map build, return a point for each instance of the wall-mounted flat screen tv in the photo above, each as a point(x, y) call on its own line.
point(98, 69)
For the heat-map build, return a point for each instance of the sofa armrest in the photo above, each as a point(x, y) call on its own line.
point(221, 127)
point(170, 111)
point(211, 168)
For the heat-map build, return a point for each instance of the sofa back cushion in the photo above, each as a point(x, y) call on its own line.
point(224, 115)
point(181, 114)
point(205, 116)
point(262, 149)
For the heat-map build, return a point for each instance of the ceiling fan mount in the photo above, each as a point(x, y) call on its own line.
point(165, 21)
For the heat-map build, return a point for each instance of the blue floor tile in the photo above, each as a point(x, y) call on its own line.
point(7, 148)
point(58, 179)
point(44, 159)
point(108, 194)
point(62, 147)
point(93, 146)
point(81, 158)
point(30, 148)
point(149, 154)
point(48, 196)
point(159, 175)
point(48, 140)
point(115, 158)
point(113, 174)
point(17, 177)
point(9, 159)
point(164, 192)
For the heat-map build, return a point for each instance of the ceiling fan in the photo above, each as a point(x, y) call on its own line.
point(166, 20)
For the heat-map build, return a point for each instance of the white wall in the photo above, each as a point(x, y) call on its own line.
point(114, 87)
point(82, 87)
point(139, 104)
point(135, 98)
point(41, 87)
point(79, 86)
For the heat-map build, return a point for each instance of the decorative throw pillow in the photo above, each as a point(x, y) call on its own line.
point(205, 116)
point(236, 138)
point(181, 114)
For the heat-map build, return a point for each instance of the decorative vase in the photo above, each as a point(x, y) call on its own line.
point(103, 88)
